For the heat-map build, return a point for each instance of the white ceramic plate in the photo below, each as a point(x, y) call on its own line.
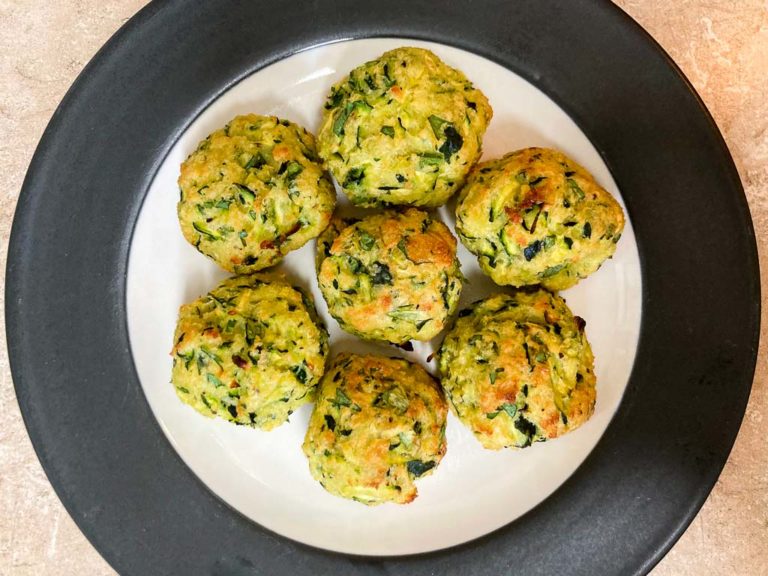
point(264, 475)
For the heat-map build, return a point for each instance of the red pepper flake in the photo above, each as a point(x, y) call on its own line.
point(211, 332)
point(512, 215)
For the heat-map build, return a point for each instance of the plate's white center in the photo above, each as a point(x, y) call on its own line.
point(264, 475)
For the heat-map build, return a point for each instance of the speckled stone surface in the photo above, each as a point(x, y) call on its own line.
point(721, 45)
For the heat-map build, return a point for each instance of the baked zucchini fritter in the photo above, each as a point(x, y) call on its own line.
point(517, 368)
point(403, 129)
point(392, 276)
point(251, 351)
point(378, 425)
point(536, 217)
point(252, 192)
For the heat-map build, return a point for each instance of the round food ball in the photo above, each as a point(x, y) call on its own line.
point(536, 217)
point(403, 129)
point(251, 351)
point(252, 192)
point(392, 276)
point(517, 368)
point(378, 425)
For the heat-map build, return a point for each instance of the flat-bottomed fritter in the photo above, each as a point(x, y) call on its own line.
point(403, 129)
point(392, 276)
point(378, 425)
point(517, 368)
point(251, 351)
point(536, 217)
point(252, 192)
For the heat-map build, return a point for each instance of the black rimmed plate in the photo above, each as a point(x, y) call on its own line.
point(68, 266)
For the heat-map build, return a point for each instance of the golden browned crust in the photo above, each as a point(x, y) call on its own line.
point(403, 129)
point(250, 351)
point(252, 192)
point(536, 217)
point(518, 369)
point(378, 425)
point(392, 276)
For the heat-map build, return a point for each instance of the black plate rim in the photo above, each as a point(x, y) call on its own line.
point(15, 255)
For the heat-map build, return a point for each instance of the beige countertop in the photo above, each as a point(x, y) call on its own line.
point(721, 45)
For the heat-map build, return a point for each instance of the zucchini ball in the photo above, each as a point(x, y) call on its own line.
point(251, 351)
point(536, 217)
point(378, 425)
point(403, 129)
point(390, 277)
point(517, 368)
point(252, 192)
